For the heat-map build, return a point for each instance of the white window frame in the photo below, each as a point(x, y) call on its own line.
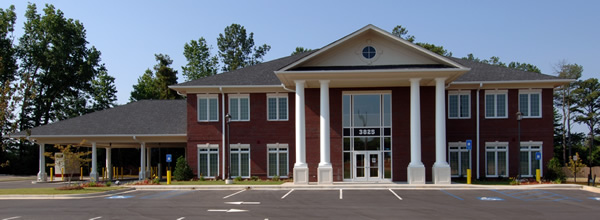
point(208, 97)
point(278, 96)
point(277, 151)
point(208, 149)
point(238, 97)
point(495, 93)
point(531, 147)
point(529, 92)
point(497, 147)
point(237, 149)
point(460, 93)
point(459, 147)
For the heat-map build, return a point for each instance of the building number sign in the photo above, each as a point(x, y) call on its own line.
point(366, 132)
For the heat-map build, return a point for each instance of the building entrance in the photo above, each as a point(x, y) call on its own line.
point(367, 146)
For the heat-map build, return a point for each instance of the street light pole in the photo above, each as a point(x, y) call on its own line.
point(590, 176)
point(519, 117)
point(227, 164)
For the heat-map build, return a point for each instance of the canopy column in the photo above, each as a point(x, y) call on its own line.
point(441, 168)
point(300, 167)
point(416, 169)
point(41, 176)
point(325, 170)
point(94, 172)
point(109, 172)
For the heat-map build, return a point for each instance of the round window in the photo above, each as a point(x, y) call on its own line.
point(369, 52)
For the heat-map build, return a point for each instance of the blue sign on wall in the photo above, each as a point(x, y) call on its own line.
point(469, 144)
point(538, 155)
point(169, 158)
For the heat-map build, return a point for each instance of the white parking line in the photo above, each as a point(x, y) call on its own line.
point(397, 196)
point(182, 218)
point(234, 194)
point(341, 196)
point(99, 217)
point(16, 217)
point(283, 197)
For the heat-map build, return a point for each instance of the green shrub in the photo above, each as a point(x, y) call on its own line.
point(182, 170)
point(275, 178)
point(555, 172)
point(254, 178)
point(238, 178)
point(108, 183)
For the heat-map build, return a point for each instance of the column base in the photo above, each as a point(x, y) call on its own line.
point(94, 176)
point(416, 174)
point(41, 177)
point(325, 175)
point(441, 174)
point(142, 175)
point(301, 175)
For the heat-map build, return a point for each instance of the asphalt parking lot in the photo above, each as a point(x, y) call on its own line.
point(315, 204)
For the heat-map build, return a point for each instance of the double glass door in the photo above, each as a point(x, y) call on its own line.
point(367, 166)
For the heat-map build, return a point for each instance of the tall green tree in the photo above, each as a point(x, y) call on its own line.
point(587, 109)
point(54, 52)
point(494, 60)
point(564, 100)
point(8, 58)
point(402, 32)
point(200, 62)
point(104, 91)
point(155, 85)
point(237, 50)
point(300, 50)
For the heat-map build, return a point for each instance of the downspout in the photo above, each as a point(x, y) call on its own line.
point(223, 130)
point(477, 134)
point(283, 85)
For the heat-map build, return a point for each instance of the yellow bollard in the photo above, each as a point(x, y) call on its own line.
point(168, 177)
point(81, 173)
point(538, 176)
point(51, 174)
point(121, 172)
point(103, 173)
point(114, 173)
point(468, 176)
point(62, 173)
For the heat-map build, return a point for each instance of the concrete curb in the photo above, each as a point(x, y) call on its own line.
point(67, 196)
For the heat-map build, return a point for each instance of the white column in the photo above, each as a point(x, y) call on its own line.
point(41, 176)
point(94, 173)
point(416, 169)
point(109, 172)
point(142, 174)
point(325, 171)
point(300, 167)
point(441, 169)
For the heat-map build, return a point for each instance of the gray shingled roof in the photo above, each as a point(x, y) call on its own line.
point(481, 72)
point(146, 117)
point(259, 74)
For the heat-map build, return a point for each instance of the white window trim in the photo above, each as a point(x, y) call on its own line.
point(529, 145)
point(277, 146)
point(207, 97)
point(239, 165)
point(287, 108)
point(462, 147)
point(496, 93)
point(208, 146)
point(459, 93)
point(238, 96)
point(496, 145)
point(529, 92)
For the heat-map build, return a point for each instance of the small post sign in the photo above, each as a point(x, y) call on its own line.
point(469, 144)
point(538, 155)
point(169, 158)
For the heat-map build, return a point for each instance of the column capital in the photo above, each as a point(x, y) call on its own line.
point(414, 80)
point(443, 79)
point(300, 82)
point(324, 81)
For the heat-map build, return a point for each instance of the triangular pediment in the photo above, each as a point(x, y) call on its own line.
point(383, 50)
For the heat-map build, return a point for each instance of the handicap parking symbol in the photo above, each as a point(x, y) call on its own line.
point(490, 199)
point(595, 198)
point(119, 197)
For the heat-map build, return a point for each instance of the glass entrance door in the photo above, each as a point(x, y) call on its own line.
point(366, 166)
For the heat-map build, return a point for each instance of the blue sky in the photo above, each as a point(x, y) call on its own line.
point(129, 33)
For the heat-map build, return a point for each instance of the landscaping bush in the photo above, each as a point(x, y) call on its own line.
point(254, 178)
point(238, 178)
point(182, 170)
point(71, 187)
point(555, 172)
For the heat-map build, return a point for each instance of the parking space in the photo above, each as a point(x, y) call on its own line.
point(314, 204)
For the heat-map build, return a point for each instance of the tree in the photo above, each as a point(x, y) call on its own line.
point(564, 99)
point(70, 158)
point(402, 32)
point(183, 171)
point(575, 165)
point(200, 62)
point(237, 50)
point(300, 50)
point(155, 85)
point(495, 61)
point(8, 62)
point(587, 109)
point(104, 92)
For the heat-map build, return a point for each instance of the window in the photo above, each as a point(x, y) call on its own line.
point(208, 160)
point(460, 159)
point(239, 107)
point(459, 104)
point(369, 52)
point(240, 160)
point(277, 159)
point(528, 162)
point(496, 157)
point(530, 102)
point(208, 106)
point(496, 103)
point(277, 107)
